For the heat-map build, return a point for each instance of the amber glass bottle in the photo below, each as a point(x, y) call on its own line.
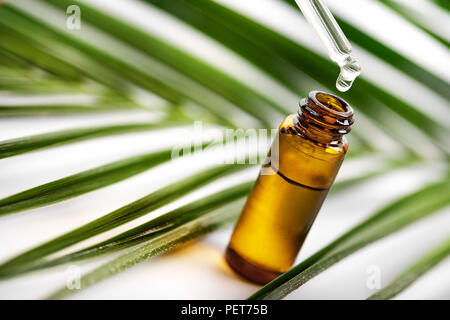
point(292, 185)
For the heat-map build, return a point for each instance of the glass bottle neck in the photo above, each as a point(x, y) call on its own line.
point(324, 118)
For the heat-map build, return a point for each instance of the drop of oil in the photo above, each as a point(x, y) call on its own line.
point(350, 69)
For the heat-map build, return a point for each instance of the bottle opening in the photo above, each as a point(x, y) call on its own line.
point(324, 116)
point(331, 102)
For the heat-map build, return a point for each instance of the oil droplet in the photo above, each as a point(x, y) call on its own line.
point(350, 69)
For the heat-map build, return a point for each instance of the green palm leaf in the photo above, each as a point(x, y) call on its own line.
point(87, 59)
point(18, 42)
point(404, 12)
point(65, 109)
point(82, 182)
point(123, 56)
point(391, 218)
point(145, 232)
point(189, 212)
point(238, 93)
point(21, 145)
point(170, 240)
point(431, 259)
point(169, 84)
point(281, 57)
point(122, 215)
point(390, 56)
point(443, 4)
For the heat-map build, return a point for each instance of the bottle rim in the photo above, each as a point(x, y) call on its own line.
point(315, 96)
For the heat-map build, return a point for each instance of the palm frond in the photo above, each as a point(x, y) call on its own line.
point(63, 109)
point(148, 231)
point(169, 240)
point(169, 83)
point(266, 48)
point(392, 57)
point(82, 182)
point(228, 87)
point(122, 215)
point(22, 145)
point(189, 212)
point(112, 57)
point(443, 4)
point(419, 268)
point(406, 13)
point(391, 218)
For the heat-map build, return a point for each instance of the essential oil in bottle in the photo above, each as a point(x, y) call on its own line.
point(291, 187)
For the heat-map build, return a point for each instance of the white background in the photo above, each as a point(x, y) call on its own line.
point(197, 270)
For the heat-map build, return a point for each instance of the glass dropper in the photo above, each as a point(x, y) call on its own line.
point(334, 40)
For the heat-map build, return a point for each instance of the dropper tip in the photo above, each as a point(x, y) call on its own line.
point(342, 85)
point(349, 71)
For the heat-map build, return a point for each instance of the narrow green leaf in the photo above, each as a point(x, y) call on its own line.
point(391, 218)
point(408, 15)
point(395, 59)
point(144, 232)
point(284, 58)
point(444, 4)
point(431, 259)
point(10, 60)
point(82, 182)
point(13, 43)
point(122, 215)
point(21, 145)
point(27, 80)
point(237, 92)
point(390, 56)
point(47, 56)
point(153, 75)
point(173, 219)
point(164, 243)
point(57, 51)
point(47, 110)
point(237, 33)
point(22, 85)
